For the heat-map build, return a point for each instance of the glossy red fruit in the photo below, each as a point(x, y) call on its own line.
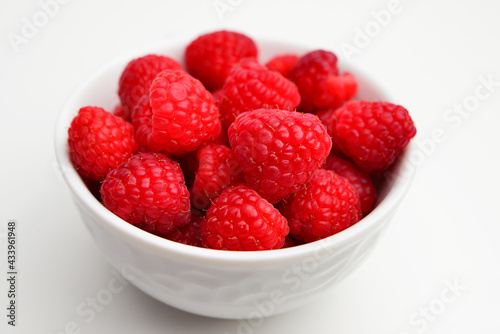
point(278, 150)
point(251, 86)
point(148, 191)
point(210, 57)
point(361, 181)
point(217, 170)
point(183, 113)
point(99, 141)
point(137, 77)
point(241, 220)
point(326, 206)
point(319, 82)
point(283, 63)
point(372, 133)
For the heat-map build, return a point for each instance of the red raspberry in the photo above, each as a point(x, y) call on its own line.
point(320, 85)
point(137, 77)
point(142, 121)
point(142, 116)
point(278, 150)
point(217, 170)
point(239, 219)
point(209, 58)
point(99, 141)
point(328, 205)
point(184, 114)
point(250, 86)
point(361, 181)
point(282, 64)
point(325, 116)
point(221, 138)
point(218, 95)
point(189, 234)
point(148, 191)
point(119, 111)
point(372, 134)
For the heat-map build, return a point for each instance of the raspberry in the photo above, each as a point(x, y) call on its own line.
point(142, 121)
point(137, 77)
point(250, 86)
point(210, 57)
point(99, 141)
point(328, 205)
point(320, 85)
point(184, 114)
point(142, 116)
point(221, 138)
point(218, 95)
point(119, 111)
point(362, 182)
point(189, 234)
point(217, 170)
point(278, 150)
point(372, 134)
point(282, 64)
point(148, 191)
point(326, 116)
point(240, 219)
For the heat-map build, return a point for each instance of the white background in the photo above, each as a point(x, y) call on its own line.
point(432, 54)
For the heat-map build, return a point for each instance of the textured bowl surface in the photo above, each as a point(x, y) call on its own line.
point(215, 283)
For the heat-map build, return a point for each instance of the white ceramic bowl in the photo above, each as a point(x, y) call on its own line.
point(215, 283)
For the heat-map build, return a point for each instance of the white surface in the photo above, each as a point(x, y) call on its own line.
point(445, 233)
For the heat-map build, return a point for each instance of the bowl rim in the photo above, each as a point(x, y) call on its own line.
point(400, 185)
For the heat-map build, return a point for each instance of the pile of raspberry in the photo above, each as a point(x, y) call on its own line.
point(228, 153)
